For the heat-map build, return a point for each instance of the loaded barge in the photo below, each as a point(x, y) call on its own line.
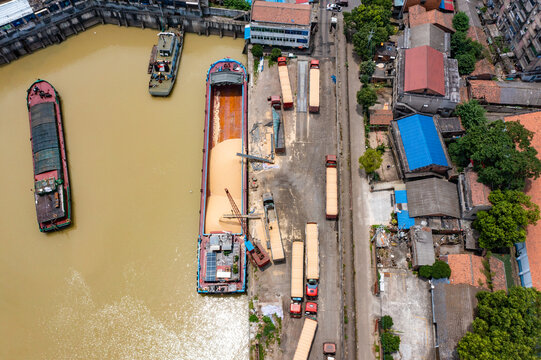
point(51, 181)
point(221, 251)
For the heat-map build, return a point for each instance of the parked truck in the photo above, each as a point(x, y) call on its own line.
point(278, 124)
point(305, 341)
point(312, 260)
point(332, 187)
point(272, 228)
point(297, 277)
point(313, 106)
point(287, 96)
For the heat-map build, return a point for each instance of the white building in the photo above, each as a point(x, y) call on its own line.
point(280, 24)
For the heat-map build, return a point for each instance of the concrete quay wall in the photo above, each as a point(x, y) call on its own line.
point(55, 28)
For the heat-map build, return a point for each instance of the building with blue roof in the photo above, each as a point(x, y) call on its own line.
point(419, 147)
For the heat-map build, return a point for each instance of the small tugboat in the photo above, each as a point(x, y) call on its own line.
point(165, 63)
point(221, 245)
point(51, 181)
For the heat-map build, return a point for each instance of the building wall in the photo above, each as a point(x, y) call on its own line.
point(520, 25)
point(280, 35)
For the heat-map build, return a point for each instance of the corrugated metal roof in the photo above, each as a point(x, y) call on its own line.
point(523, 265)
point(421, 142)
point(432, 197)
point(14, 10)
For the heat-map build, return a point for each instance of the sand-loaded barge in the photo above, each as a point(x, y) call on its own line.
point(51, 181)
point(221, 247)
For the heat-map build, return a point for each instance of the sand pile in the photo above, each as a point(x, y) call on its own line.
point(225, 171)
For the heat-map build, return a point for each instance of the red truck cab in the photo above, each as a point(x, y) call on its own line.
point(310, 309)
point(312, 289)
point(295, 309)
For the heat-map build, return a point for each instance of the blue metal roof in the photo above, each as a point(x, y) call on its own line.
point(403, 217)
point(523, 265)
point(421, 141)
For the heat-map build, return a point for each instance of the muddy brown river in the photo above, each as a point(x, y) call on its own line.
point(120, 283)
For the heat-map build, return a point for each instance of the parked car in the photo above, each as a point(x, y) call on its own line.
point(334, 7)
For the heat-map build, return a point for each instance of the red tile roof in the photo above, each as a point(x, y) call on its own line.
point(381, 117)
point(479, 191)
point(424, 70)
point(428, 4)
point(468, 269)
point(281, 13)
point(418, 16)
point(532, 122)
point(483, 68)
point(486, 90)
point(478, 35)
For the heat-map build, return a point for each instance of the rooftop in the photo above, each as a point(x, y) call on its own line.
point(13, 10)
point(449, 126)
point(431, 35)
point(483, 68)
point(422, 144)
point(477, 34)
point(532, 122)
point(281, 13)
point(454, 307)
point(506, 92)
point(381, 117)
point(422, 246)
point(424, 72)
point(418, 15)
point(469, 7)
point(468, 269)
point(432, 197)
point(479, 192)
point(428, 4)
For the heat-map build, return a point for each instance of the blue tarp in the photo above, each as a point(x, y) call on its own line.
point(246, 32)
point(421, 141)
point(403, 217)
point(523, 265)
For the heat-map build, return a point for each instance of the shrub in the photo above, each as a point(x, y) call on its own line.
point(235, 269)
point(425, 271)
point(461, 21)
point(386, 322)
point(367, 67)
point(367, 97)
point(466, 63)
point(253, 318)
point(390, 342)
point(257, 51)
point(440, 270)
point(365, 78)
point(237, 4)
point(275, 54)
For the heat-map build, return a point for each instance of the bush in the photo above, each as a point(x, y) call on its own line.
point(257, 51)
point(275, 54)
point(235, 269)
point(461, 21)
point(365, 78)
point(390, 343)
point(253, 318)
point(370, 161)
point(237, 5)
point(425, 271)
point(367, 67)
point(387, 357)
point(466, 63)
point(441, 270)
point(386, 322)
point(367, 97)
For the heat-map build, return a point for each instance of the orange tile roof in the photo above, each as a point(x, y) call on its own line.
point(479, 191)
point(532, 122)
point(468, 269)
point(281, 13)
point(418, 16)
point(428, 4)
point(487, 90)
point(484, 68)
point(464, 97)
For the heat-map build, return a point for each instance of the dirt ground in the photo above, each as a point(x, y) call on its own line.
point(387, 171)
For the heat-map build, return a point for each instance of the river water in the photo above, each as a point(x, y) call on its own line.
point(120, 283)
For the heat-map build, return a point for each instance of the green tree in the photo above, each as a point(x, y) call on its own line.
point(507, 326)
point(365, 79)
point(440, 270)
point(257, 51)
point(237, 4)
point(426, 271)
point(370, 161)
point(275, 54)
point(505, 223)
point(471, 114)
point(461, 21)
point(466, 63)
point(367, 67)
point(390, 342)
point(502, 158)
point(367, 97)
point(386, 322)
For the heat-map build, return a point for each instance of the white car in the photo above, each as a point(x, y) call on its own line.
point(334, 7)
